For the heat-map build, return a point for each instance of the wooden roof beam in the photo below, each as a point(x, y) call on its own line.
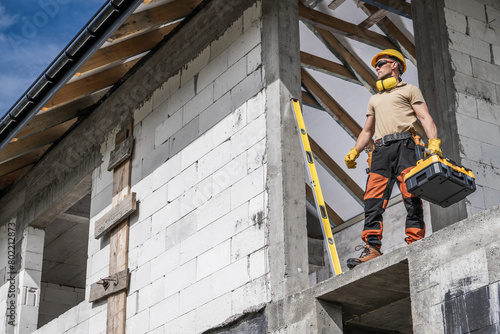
point(326, 66)
point(392, 32)
point(399, 7)
point(373, 18)
point(332, 215)
point(359, 69)
point(335, 4)
point(154, 17)
point(330, 105)
point(59, 115)
point(337, 172)
point(126, 49)
point(88, 85)
point(23, 161)
point(335, 25)
point(34, 142)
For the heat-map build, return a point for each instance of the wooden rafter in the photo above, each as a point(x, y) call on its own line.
point(154, 17)
point(330, 105)
point(332, 215)
point(373, 18)
point(364, 75)
point(326, 66)
point(308, 99)
point(125, 49)
point(45, 120)
point(342, 177)
point(335, 4)
point(13, 177)
point(335, 25)
point(88, 85)
point(392, 32)
point(399, 7)
point(33, 142)
point(22, 161)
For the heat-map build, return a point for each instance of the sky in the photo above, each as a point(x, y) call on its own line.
point(32, 34)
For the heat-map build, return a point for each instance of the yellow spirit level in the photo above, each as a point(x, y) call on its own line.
point(318, 195)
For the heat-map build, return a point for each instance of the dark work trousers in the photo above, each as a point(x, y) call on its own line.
point(391, 163)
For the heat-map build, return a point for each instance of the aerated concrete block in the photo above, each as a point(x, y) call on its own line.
point(166, 90)
point(139, 323)
point(213, 260)
point(477, 129)
point(252, 293)
point(215, 113)
point(180, 278)
point(247, 242)
point(230, 78)
point(206, 318)
point(185, 324)
point(227, 39)
point(247, 88)
point(471, 8)
point(230, 277)
point(213, 209)
point(486, 70)
point(202, 100)
point(140, 277)
point(247, 188)
point(478, 88)
point(197, 294)
point(258, 264)
point(143, 112)
point(163, 312)
point(489, 112)
point(184, 136)
point(213, 70)
point(194, 66)
point(165, 172)
point(248, 41)
point(252, 16)
point(483, 31)
point(467, 105)
point(469, 45)
point(166, 262)
point(455, 20)
point(170, 126)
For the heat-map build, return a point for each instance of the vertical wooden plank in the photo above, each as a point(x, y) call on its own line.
point(119, 238)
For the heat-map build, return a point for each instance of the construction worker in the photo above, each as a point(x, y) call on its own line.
point(392, 116)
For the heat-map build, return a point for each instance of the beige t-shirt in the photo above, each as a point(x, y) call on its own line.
point(393, 111)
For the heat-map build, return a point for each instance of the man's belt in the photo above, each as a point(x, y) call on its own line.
point(392, 138)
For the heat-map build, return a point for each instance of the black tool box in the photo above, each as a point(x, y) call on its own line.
point(440, 181)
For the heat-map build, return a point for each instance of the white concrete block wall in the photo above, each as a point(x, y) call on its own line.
point(198, 247)
point(56, 299)
point(474, 42)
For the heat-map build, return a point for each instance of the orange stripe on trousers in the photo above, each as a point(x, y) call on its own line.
point(376, 186)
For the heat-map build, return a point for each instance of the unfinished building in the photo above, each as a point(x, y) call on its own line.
point(152, 180)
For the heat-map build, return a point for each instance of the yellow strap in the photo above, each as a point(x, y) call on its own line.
point(318, 195)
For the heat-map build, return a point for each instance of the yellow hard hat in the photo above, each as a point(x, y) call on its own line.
point(392, 53)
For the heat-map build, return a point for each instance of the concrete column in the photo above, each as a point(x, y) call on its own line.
point(436, 82)
point(285, 172)
point(29, 278)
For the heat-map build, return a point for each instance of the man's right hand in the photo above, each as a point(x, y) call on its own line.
point(350, 158)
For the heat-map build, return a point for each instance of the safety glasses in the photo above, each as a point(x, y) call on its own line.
point(382, 62)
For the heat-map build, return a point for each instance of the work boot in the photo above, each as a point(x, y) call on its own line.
point(369, 252)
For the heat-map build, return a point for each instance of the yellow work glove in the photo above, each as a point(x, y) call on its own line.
point(435, 146)
point(351, 157)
